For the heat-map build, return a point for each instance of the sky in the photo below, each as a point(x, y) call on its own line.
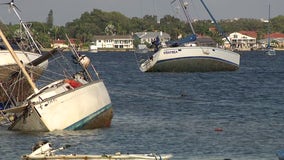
point(68, 10)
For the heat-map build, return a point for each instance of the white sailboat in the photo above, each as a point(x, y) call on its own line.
point(269, 50)
point(43, 150)
point(191, 59)
point(27, 53)
point(73, 103)
point(186, 56)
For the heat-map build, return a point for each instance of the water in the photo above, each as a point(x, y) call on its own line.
point(179, 113)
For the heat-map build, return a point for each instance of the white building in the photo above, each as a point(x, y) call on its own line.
point(241, 40)
point(276, 39)
point(62, 43)
point(114, 41)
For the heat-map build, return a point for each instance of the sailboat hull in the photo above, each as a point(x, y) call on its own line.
point(270, 52)
point(9, 71)
point(89, 105)
point(191, 59)
point(8, 65)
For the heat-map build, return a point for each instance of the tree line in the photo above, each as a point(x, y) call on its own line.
point(98, 22)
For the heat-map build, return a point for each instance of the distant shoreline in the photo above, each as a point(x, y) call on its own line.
point(248, 49)
point(99, 50)
point(131, 50)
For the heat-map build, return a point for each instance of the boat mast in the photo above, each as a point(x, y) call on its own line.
point(14, 7)
point(215, 22)
point(184, 8)
point(17, 60)
point(76, 54)
point(268, 38)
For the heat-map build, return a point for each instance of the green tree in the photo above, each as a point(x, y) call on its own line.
point(173, 26)
point(49, 19)
point(277, 24)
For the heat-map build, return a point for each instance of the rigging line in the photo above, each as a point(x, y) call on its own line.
point(60, 61)
point(17, 80)
point(185, 14)
point(194, 8)
point(137, 62)
point(185, 10)
point(78, 58)
point(48, 79)
point(34, 73)
point(10, 69)
point(13, 83)
point(27, 31)
point(71, 69)
point(14, 38)
point(6, 117)
point(93, 67)
point(269, 29)
point(6, 93)
point(20, 89)
point(175, 9)
point(29, 39)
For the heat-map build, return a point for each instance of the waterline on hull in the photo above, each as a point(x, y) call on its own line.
point(85, 121)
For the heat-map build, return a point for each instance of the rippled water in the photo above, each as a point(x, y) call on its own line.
point(179, 113)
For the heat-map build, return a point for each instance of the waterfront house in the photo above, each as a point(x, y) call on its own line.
point(242, 40)
point(59, 43)
point(277, 40)
point(114, 41)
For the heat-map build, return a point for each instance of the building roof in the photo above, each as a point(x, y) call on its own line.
point(238, 35)
point(61, 41)
point(275, 35)
point(280, 40)
point(108, 37)
point(252, 34)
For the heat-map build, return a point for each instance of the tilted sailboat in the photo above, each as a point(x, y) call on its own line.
point(186, 56)
point(72, 103)
point(27, 50)
point(269, 50)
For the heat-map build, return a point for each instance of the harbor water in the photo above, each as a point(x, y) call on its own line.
point(235, 115)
